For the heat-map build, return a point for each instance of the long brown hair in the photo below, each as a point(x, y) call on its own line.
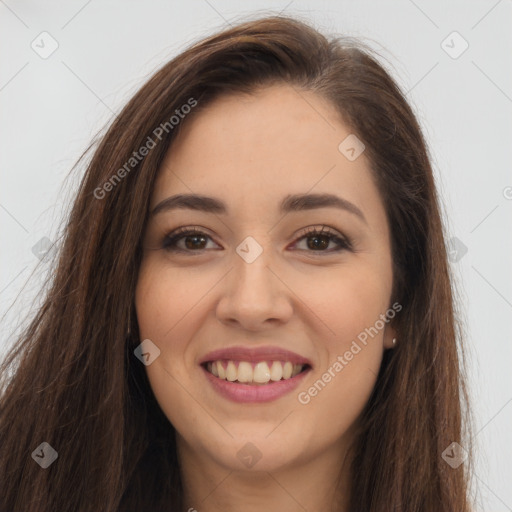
point(76, 383)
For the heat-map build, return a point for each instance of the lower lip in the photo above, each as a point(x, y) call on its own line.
point(257, 392)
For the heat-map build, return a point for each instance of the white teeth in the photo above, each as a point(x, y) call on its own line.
point(231, 372)
point(276, 372)
point(287, 370)
point(244, 372)
point(261, 373)
point(221, 370)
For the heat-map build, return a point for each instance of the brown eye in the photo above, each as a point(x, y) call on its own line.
point(319, 240)
point(194, 240)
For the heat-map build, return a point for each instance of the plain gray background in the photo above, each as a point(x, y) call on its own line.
point(52, 106)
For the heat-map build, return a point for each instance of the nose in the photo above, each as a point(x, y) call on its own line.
point(254, 296)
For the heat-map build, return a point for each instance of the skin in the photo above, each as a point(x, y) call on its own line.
point(251, 151)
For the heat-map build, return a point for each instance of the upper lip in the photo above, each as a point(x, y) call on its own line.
point(251, 354)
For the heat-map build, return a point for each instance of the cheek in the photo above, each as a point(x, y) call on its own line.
point(163, 300)
point(332, 403)
point(164, 305)
point(351, 346)
point(347, 302)
point(334, 397)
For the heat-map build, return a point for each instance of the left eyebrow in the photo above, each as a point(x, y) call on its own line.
point(291, 203)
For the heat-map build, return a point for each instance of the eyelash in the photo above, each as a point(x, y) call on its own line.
point(169, 243)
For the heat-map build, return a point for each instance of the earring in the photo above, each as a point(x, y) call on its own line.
point(394, 341)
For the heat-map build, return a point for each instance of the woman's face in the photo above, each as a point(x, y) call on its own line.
point(255, 292)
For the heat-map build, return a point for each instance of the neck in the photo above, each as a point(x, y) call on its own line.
point(320, 483)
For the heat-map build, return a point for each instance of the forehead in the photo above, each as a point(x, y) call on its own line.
point(247, 148)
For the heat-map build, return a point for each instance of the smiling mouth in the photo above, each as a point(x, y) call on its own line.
point(254, 373)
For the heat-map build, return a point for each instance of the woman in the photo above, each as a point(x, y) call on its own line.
point(252, 308)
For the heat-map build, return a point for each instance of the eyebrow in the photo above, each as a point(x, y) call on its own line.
point(291, 203)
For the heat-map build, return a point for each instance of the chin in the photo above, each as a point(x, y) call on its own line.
point(257, 452)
